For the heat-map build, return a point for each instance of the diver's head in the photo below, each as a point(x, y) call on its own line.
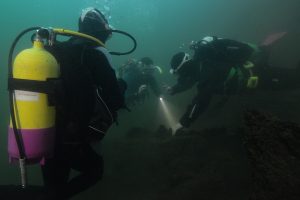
point(147, 61)
point(94, 23)
point(177, 61)
point(146, 65)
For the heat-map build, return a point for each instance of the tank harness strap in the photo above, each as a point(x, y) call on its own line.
point(50, 86)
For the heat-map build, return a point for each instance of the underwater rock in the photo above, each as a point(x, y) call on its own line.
point(137, 132)
point(16, 192)
point(163, 132)
point(209, 164)
point(273, 148)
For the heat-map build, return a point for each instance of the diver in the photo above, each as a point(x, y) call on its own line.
point(87, 106)
point(139, 76)
point(225, 67)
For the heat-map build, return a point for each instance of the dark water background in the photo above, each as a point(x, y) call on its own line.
point(162, 28)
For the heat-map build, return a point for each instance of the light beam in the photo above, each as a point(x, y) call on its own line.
point(167, 113)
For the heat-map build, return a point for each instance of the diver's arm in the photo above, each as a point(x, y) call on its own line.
point(207, 84)
point(105, 78)
point(183, 84)
point(197, 107)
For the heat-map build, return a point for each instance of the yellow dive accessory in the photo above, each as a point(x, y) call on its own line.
point(159, 69)
point(252, 81)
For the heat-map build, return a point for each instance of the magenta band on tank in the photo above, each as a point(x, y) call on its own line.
point(38, 144)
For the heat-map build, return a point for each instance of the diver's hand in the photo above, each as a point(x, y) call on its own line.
point(167, 89)
point(142, 89)
point(142, 93)
point(178, 129)
point(193, 45)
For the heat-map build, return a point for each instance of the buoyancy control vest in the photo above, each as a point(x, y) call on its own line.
point(79, 99)
point(235, 54)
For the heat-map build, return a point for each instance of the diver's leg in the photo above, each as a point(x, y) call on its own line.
point(90, 166)
point(55, 176)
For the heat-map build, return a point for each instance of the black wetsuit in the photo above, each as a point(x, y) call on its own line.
point(83, 68)
point(209, 68)
point(136, 77)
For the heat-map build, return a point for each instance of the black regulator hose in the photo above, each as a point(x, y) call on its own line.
point(112, 53)
point(128, 35)
point(18, 136)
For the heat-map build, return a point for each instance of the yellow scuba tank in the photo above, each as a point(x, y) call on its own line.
point(31, 132)
point(35, 118)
